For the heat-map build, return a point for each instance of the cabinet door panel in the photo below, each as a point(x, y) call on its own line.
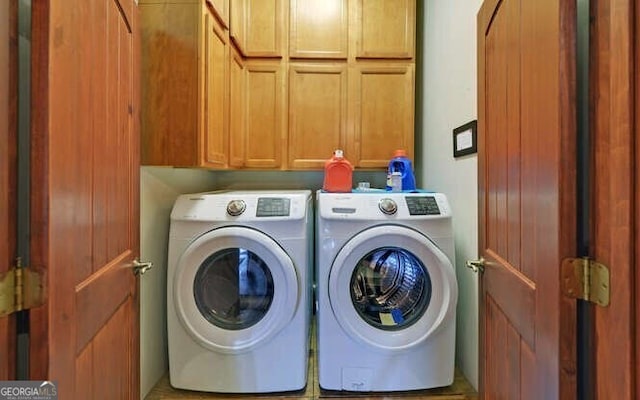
point(319, 29)
point(170, 108)
point(263, 27)
point(221, 10)
point(237, 16)
point(385, 28)
point(237, 114)
point(382, 101)
point(216, 94)
point(265, 123)
point(317, 113)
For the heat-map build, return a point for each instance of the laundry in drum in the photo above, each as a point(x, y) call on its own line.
point(390, 287)
point(395, 317)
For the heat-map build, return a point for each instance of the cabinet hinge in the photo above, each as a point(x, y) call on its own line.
point(20, 289)
point(586, 279)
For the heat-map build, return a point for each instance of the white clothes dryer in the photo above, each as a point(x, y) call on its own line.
point(386, 291)
point(239, 291)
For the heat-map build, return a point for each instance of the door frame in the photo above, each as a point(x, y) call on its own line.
point(8, 172)
point(615, 181)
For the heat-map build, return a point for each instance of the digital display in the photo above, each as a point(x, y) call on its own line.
point(422, 205)
point(273, 207)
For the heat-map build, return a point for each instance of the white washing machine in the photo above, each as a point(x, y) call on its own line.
point(387, 291)
point(239, 291)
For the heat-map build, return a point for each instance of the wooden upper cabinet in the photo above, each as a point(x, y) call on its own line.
point(184, 84)
point(220, 8)
point(317, 113)
point(249, 95)
point(382, 113)
point(384, 28)
point(318, 29)
point(265, 121)
point(216, 83)
point(257, 27)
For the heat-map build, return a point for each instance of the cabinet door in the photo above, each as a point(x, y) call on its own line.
point(319, 29)
point(317, 113)
point(382, 113)
point(237, 110)
point(221, 10)
point(171, 91)
point(216, 83)
point(264, 23)
point(384, 28)
point(237, 30)
point(265, 122)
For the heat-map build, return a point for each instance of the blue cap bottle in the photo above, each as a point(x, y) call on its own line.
point(401, 163)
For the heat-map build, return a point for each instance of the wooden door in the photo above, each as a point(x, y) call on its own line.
point(8, 113)
point(615, 172)
point(527, 195)
point(85, 196)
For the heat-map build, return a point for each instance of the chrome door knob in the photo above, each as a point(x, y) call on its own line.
point(476, 265)
point(236, 207)
point(388, 206)
point(140, 267)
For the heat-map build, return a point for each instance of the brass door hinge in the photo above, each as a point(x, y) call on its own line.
point(586, 279)
point(20, 289)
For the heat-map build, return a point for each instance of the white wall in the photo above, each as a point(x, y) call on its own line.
point(447, 87)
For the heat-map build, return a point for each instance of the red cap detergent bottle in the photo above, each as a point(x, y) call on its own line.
point(401, 163)
point(337, 174)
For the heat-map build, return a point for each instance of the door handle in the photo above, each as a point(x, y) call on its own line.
point(139, 268)
point(476, 265)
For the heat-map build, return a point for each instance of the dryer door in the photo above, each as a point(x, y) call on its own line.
point(391, 288)
point(234, 289)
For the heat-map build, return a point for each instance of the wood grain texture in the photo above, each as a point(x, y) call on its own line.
point(8, 169)
point(85, 220)
point(237, 109)
point(215, 132)
point(317, 113)
point(221, 11)
point(319, 29)
point(266, 113)
point(381, 101)
point(171, 86)
point(637, 201)
point(384, 28)
point(526, 154)
point(265, 26)
point(613, 231)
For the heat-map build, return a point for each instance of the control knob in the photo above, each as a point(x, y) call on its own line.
point(387, 206)
point(236, 207)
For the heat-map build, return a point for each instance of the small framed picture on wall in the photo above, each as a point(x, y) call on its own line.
point(465, 139)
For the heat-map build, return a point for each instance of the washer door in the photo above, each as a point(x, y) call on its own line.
point(390, 287)
point(235, 288)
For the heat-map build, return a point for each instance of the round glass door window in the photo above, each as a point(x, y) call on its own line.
point(233, 288)
point(390, 288)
